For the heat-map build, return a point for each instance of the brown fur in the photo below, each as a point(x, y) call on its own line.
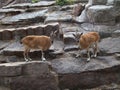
point(88, 40)
point(36, 42)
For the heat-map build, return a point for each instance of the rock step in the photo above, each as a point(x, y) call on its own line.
point(11, 11)
point(59, 16)
point(8, 34)
point(107, 46)
point(17, 49)
point(93, 72)
point(30, 5)
point(25, 18)
point(70, 64)
point(25, 73)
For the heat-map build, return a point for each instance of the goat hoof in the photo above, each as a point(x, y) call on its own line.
point(43, 59)
point(26, 60)
point(30, 59)
point(88, 59)
point(94, 56)
point(77, 56)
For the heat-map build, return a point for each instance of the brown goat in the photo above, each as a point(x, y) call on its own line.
point(41, 42)
point(88, 40)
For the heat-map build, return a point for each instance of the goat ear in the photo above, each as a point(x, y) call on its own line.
point(55, 32)
point(81, 33)
point(51, 34)
point(74, 35)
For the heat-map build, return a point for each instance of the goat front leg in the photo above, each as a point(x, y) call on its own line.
point(78, 54)
point(88, 55)
point(95, 50)
point(26, 56)
point(43, 58)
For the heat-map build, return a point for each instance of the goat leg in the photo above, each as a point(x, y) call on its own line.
point(88, 54)
point(43, 58)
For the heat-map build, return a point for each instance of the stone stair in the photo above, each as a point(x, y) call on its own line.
point(9, 34)
point(19, 20)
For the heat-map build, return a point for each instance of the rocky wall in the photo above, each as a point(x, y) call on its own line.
point(28, 76)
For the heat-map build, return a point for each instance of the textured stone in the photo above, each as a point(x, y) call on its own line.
point(117, 55)
point(113, 44)
point(11, 11)
point(14, 49)
point(51, 27)
point(99, 71)
point(117, 3)
point(116, 33)
point(31, 75)
point(10, 70)
point(43, 4)
point(77, 10)
point(35, 83)
point(68, 38)
point(25, 18)
point(101, 14)
point(110, 2)
point(39, 31)
point(36, 69)
point(97, 2)
point(27, 4)
point(12, 33)
point(6, 35)
point(58, 16)
point(0, 35)
point(77, 65)
point(10, 2)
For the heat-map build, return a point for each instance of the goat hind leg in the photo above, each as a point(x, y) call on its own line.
point(95, 50)
point(88, 55)
point(43, 58)
point(26, 56)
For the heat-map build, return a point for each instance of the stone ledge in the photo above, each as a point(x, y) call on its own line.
point(31, 75)
point(8, 34)
point(24, 68)
point(25, 18)
point(101, 14)
point(30, 5)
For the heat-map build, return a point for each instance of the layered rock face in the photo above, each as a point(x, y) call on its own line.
point(8, 2)
point(28, 76)
point(71, 73)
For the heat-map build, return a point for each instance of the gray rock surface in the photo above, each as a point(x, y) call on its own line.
point(101, 14)
point(110, 45)
point(25, 73)
point(19, 20)
point(59, 17)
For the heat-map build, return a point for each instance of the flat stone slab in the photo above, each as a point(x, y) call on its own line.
point(4, 44)
point(70, 65)
point(25, 73)
point(39, 29)
point(58, 16)
point(14, 69)
point(17, 49)
point(11, 10)
point(25, 17)
point(101, 14)
point(43, 4)
point(25, 5)
point(110, 46)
